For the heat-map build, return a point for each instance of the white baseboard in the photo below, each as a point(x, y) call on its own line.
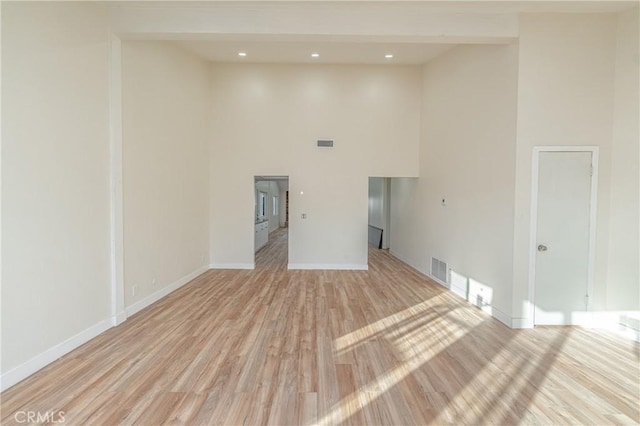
point(502, 317)
point(443, 284)
point(40, 361)
point(625, 331)
point(622, 323)
point(45, 358)
point(119, 318)
point(490, 309)
point(405, 259)
point(397, 255)
point(141, 304)
point(462, 293)
point(613, 321)
point(519, 323)
point(232, 266)
point(329, 266)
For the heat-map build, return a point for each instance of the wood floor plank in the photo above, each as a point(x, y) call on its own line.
point(385, 346)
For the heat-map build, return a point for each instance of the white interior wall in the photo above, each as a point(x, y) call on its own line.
point(55, 182)
point(165, 155)
point(623, 279)
point(376, 202)
point(274, 220)
point(379, 206)
point(386, 237)
point(407, 223)
point(261, 186)
point(272, 190)
point(467, 155)
point(565, 97)
point(283, 206)
point(266, 120)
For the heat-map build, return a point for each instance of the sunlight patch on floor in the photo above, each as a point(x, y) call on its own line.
point(401, 324)
point(359, 399)
point(505, 378)
point(498, 377)
point(405, 331)
point(418, 335)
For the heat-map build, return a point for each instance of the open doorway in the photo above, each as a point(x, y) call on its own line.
point(379, 212)
point(271, 195)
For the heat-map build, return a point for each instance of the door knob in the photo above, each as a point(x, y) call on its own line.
point(542, 247)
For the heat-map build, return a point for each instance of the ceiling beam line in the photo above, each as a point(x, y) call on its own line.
point(338, 22)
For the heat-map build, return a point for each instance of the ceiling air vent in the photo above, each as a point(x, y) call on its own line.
point(325, 143)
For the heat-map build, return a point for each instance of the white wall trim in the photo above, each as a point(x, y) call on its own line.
point(119, 318)
point(490, 309)
point(462, 293)
point(455, 290)
point(519, 323)
point(534, 218)
point(623, 323)
point(328, 266)
point(116, 216)
point(405, 259)
point(152, 298)
point(232, 266)
point(397, 255)
point(45, 358)
point(502, 317)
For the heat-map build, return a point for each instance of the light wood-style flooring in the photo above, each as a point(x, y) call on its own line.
point(380, 347)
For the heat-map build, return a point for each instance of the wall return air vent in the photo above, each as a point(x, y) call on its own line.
point(325, 143)
point(439, 270)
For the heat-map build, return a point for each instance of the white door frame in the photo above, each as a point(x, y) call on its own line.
point(534, 219)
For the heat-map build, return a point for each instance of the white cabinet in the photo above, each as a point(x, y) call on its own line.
point(262, 234)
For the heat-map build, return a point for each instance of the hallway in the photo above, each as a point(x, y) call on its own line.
point(274, 255)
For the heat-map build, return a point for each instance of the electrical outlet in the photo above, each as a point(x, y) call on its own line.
point(134, 290)
point(154, 282)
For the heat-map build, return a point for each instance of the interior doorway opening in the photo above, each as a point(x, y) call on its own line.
point(271, 243)
point(379, 212)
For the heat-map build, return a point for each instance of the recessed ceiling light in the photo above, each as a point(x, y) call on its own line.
point(315, 55)
point(243, 54)
point(388, 56)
